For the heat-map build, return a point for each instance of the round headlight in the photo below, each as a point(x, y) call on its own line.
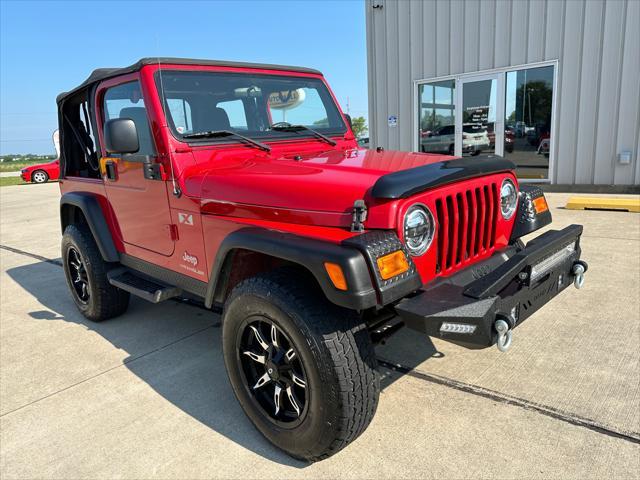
point(508, 198)
point(419, 228)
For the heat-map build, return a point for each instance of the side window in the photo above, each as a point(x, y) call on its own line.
point(234, 110)
point(125, 101)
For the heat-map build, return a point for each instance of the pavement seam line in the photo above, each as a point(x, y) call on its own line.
point(503, 398)
point(32, 255)
point(124, 363)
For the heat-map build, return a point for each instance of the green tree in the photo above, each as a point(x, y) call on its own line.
point(359, 126)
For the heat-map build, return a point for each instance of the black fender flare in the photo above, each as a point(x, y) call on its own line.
point(306, 252)
point(90, 206)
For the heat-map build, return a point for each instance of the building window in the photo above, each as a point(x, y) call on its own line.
point(437, 117)
point(506, 112)
point(528, 108)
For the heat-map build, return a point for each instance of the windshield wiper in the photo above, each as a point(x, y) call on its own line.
point(228, 133)
point(287, 127)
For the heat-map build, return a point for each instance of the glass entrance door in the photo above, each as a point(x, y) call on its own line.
point(479, 124)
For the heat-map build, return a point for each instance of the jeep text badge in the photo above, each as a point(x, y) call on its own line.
point(192, 259)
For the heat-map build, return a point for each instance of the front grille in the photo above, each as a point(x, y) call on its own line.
point(466, 226)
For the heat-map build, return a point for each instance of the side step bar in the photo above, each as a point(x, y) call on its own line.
point(151, 291)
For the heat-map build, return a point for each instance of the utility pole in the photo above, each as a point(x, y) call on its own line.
point(347, 105)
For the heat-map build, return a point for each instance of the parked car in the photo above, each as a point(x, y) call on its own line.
point(537, 134)
point(509, 139)
point(312, 248)
point(363, 142)
point(42, 172)
point(442, 140)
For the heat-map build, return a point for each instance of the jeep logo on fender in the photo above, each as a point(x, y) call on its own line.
point(193, 260)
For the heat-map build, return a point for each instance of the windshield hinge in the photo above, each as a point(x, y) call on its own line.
point(359, 216)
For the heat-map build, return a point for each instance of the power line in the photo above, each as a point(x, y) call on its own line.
point(28, 113)
point(28, 140)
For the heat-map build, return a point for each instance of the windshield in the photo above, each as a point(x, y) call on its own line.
point(249, 104)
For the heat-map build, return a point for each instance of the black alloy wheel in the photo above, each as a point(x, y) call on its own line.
point(273, 371)
point(79, 277)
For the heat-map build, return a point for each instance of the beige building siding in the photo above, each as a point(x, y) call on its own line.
point(596, 44)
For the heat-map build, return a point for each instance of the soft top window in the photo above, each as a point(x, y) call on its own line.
point(125, 101)
point(78, 148)
point(247, 103)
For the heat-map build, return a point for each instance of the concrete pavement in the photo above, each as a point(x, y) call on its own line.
point(146, 396)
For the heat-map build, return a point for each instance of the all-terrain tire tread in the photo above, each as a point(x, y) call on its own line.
point(110, 301)
point(344, 348)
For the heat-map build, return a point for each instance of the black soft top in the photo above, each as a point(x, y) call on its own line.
point(103, 73)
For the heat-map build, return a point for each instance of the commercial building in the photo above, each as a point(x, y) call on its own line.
point(553, 85)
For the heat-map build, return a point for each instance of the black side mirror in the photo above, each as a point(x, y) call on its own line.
point(121, 136)
point(348, 117)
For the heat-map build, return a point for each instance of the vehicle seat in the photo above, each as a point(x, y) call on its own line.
point(139, 117)
point(216, 119)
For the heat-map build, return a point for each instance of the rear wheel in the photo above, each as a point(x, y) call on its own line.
point(39, 176)
point(303, 370)
point(86, 274)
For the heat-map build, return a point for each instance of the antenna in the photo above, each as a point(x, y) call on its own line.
point(176, 189)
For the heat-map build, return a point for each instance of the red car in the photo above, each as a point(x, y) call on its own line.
point(509, 139)
point(42, 172)
point(243, 185)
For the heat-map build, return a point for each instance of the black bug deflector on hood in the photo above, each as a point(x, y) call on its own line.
point(404, 183)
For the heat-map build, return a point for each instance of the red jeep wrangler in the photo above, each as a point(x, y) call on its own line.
point(243, 185)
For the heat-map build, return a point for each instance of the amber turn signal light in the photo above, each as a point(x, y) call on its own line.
point(392, 264)
point(540, 204)
point(336, 275)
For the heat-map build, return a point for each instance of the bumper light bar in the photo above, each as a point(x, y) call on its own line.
point(543, 267)
point(447, 327)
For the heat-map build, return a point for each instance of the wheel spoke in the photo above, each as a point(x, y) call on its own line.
point(290, 354)
point(292, 400)
point(274, 335)
point(263, 380)
point(263, 344)
point(255, 357)
point(276, 397)
point(298, 381)
point(84, 290)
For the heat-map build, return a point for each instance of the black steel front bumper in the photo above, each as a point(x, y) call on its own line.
point(509, 286)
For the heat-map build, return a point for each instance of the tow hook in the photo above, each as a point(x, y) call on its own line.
point(505, 335)
point(578, 269)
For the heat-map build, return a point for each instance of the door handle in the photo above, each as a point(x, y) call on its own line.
point(111, 170)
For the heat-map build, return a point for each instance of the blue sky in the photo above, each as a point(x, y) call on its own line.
point(48, 47)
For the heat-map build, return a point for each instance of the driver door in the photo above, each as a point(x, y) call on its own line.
point(140, 205)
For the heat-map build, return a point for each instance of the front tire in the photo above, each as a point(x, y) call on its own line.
point(303, 369)
point(86, 274)
point(39, 176)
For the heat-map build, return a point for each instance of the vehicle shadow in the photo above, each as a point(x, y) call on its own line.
point(175, 348)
